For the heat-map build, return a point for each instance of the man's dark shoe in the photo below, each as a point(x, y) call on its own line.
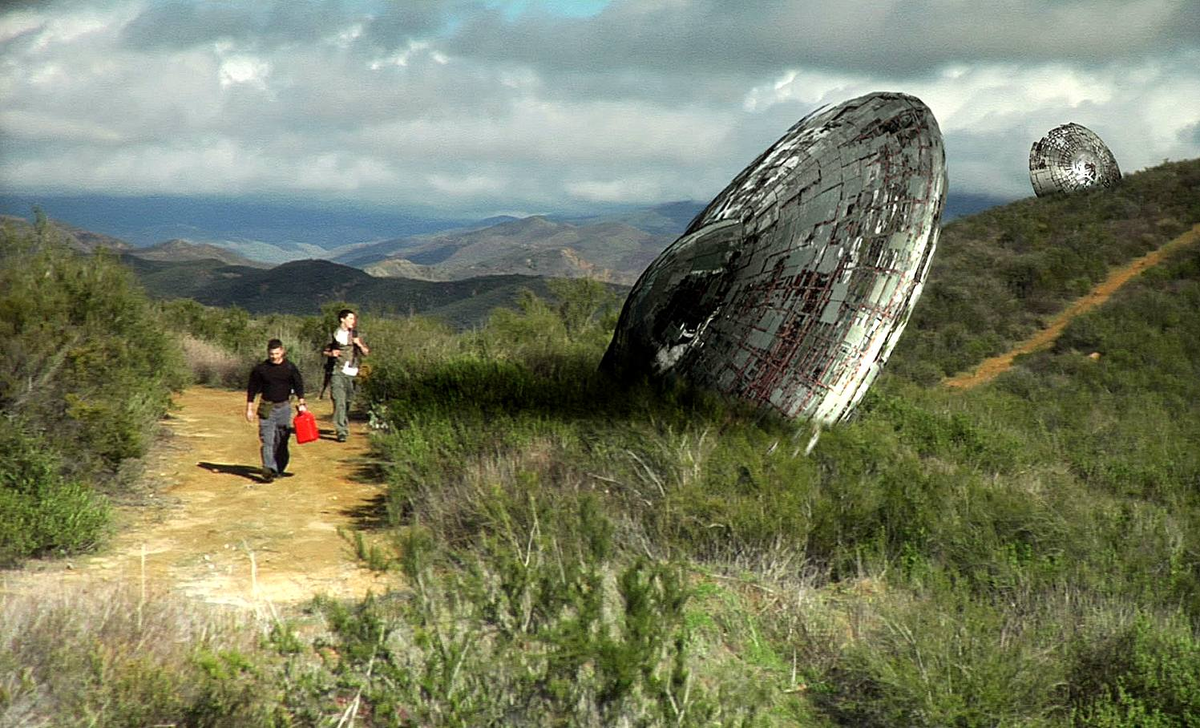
point(268, 475)
point(341, 438)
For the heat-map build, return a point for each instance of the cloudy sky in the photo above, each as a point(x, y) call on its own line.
point(476, 108)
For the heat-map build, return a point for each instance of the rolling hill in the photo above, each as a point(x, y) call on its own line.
point(178, 250)
point(607, 251)
point(1001, 274)
point(300, 287)
point(77, 239)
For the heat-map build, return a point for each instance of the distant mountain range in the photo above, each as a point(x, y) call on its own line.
point(458, 274)
point(275, 231)
point(178, 251)
point(288, 225)
point(301, 287)
point(607, 251)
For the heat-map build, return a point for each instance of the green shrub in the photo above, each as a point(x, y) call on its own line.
point(87, 358)
point(41, 512)
point(87, 370)
point(1146, 675)
point(543, 626)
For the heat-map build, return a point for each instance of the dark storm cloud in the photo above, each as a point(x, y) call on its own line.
point(181, 24)
point(700, 38)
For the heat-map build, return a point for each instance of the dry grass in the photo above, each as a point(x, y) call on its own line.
point(213, 365)
point(107, 655)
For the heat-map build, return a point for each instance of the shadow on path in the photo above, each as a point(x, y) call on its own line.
point(250, 472)
point(370, 515)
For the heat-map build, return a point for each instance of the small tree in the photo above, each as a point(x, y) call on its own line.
point(579, 299)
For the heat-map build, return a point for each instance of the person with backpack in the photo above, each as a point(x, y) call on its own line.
point(342, 360)
point(276, 379)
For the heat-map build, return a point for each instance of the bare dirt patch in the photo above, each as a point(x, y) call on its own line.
point(991, 368)
point(222, 535)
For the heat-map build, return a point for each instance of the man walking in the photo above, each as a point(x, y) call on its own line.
point(343, 355)
point(277, 379)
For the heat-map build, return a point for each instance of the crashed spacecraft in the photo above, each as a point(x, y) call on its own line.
point(1070, 158)
point(791, 288)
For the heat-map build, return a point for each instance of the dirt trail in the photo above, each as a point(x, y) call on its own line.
point(991, 368)
point(224, 536)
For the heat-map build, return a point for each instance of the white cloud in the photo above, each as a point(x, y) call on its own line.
point(246, 70)
point(629, 190)
point(401, 58)
point(466, 185)
point(637, 103)
point(811, 87)
point(33, 125)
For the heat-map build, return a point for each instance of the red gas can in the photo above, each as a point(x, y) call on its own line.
point(306, 427)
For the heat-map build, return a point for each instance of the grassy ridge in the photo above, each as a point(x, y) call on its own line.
point(998, 275)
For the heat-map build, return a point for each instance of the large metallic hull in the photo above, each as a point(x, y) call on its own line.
point(1070, 158)
point(791, 288)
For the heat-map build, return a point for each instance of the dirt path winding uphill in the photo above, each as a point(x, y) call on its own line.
point(224, 536)
point(991, 368)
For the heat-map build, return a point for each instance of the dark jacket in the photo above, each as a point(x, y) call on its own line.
point(275, 381)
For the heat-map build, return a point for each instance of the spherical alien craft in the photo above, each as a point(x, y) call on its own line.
point(791, 288)
point(1071, 158)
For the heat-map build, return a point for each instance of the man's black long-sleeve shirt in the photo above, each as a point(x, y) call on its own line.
point(275, 381)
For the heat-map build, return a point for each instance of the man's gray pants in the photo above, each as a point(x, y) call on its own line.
point(341, 388)
point(274, 432)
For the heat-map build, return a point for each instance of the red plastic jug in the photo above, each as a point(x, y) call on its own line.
point(306, 427)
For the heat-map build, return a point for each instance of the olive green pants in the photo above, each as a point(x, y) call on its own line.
point(341, 389)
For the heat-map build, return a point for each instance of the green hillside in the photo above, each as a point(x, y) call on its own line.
point(999, 275)
point(177, 250)
point(77, 239)
point(571, 552)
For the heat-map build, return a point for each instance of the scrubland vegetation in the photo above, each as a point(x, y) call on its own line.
point(85, 371)
point(572, 552)
point(1000, 273)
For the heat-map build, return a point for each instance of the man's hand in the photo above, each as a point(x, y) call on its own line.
point(359, 343)
point(250, 412)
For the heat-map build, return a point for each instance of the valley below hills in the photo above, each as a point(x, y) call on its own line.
point(301, 287)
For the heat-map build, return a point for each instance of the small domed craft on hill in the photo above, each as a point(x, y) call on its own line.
point(1070, 158)
point(791, 288)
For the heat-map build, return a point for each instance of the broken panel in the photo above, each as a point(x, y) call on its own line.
point(791, 288)
point(1070, 158)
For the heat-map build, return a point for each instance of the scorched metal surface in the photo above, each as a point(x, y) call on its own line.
point(792, 287)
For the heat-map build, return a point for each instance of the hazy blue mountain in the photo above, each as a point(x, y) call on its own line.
point(364, 255)
point(301, 287)
point(536, 245)
point(177, 251)
point(147, 220)
point(668, 218)
point(271, 231)
point(960, 204)
point(386, 257)
point(77, 239)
